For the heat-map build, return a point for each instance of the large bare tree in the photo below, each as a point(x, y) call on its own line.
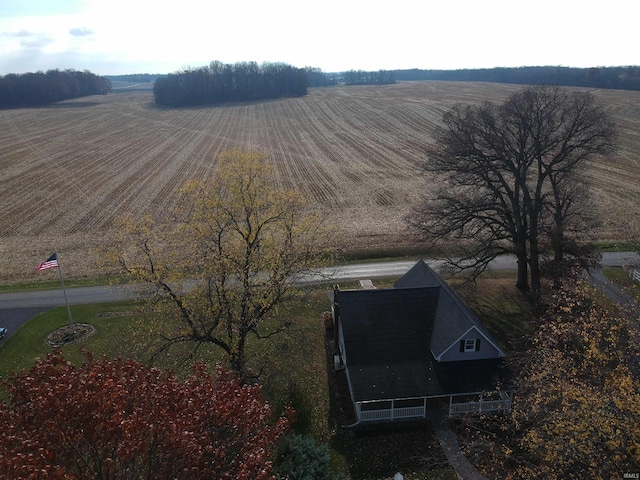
point(229, 257)
point(508, 178)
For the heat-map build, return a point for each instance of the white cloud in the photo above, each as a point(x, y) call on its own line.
point(36, 41)
point(125, 36)
point(81, 31)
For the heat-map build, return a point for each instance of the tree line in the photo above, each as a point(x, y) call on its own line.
point(361, 77)
point(621, 78)
point(220, 82)
point(135, 77)
point(44, 88)
point(317, 78)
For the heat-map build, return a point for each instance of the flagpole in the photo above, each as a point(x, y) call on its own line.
point(64, 290)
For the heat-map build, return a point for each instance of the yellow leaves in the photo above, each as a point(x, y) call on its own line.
point(243, 164)
point(244, 200)
point(580, 405)
point(227, 259)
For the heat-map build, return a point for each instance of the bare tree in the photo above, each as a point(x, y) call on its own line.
point(505, 177)
point(228, 259)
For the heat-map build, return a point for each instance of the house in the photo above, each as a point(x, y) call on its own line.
point(407, 349)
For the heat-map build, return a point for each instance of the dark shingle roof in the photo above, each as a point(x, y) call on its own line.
point(390, 334)
point(453, 318)
point(473, 376)
point(387, 335)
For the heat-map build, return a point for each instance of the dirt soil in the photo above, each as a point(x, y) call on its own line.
point(69, 334)
point(68, 171)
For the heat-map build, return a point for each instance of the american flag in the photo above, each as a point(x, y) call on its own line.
point(51, 262)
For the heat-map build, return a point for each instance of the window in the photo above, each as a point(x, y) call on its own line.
point(469, 345)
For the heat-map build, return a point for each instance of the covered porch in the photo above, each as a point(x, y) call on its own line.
point(422, 407)
point(485, 402)
point(390, 410)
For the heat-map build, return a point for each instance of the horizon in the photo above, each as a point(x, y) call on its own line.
point(342, 71)
point(334, 36)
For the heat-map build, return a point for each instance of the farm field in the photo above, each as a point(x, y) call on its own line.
point(67, 171)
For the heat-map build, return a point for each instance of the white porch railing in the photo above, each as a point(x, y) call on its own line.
point(375, 415)
point(368, 414)
point(481, 406)
point(390, 413)
point(409, 412)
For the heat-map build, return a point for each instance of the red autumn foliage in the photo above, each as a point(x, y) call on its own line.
point(111, 419)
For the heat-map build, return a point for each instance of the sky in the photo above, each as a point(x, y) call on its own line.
point(116, 37)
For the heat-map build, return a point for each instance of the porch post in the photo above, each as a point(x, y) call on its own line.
point(336, 320)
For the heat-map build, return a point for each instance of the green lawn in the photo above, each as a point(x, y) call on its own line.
point(112, 322)
point(621, 277)
point(54, 283)
point(292, 366)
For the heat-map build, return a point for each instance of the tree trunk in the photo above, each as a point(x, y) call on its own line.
point(522, 282)
point(557, 239)
point(237, 360)
point(534, 253)
point(237, 363)
point(534, 264)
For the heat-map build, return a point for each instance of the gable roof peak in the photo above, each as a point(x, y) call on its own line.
point(420, 275)
point(453, 317)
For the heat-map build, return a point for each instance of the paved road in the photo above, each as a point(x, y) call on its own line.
point(99, 294)
point(17, 307)
point(55, 297)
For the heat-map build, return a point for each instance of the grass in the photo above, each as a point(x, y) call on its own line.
point(55, 283)
point(621, 277)
point(368, 255)
point(292, 365)
point(293, 368)
point(389, 253)
point(125, 330)
point(112, 321)
point(621, 246)
point(501, 307)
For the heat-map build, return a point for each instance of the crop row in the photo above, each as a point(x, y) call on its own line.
point(67, 171)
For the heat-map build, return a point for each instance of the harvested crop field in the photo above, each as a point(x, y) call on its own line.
point(68, 170)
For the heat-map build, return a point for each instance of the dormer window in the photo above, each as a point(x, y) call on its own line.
point(470, 345)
